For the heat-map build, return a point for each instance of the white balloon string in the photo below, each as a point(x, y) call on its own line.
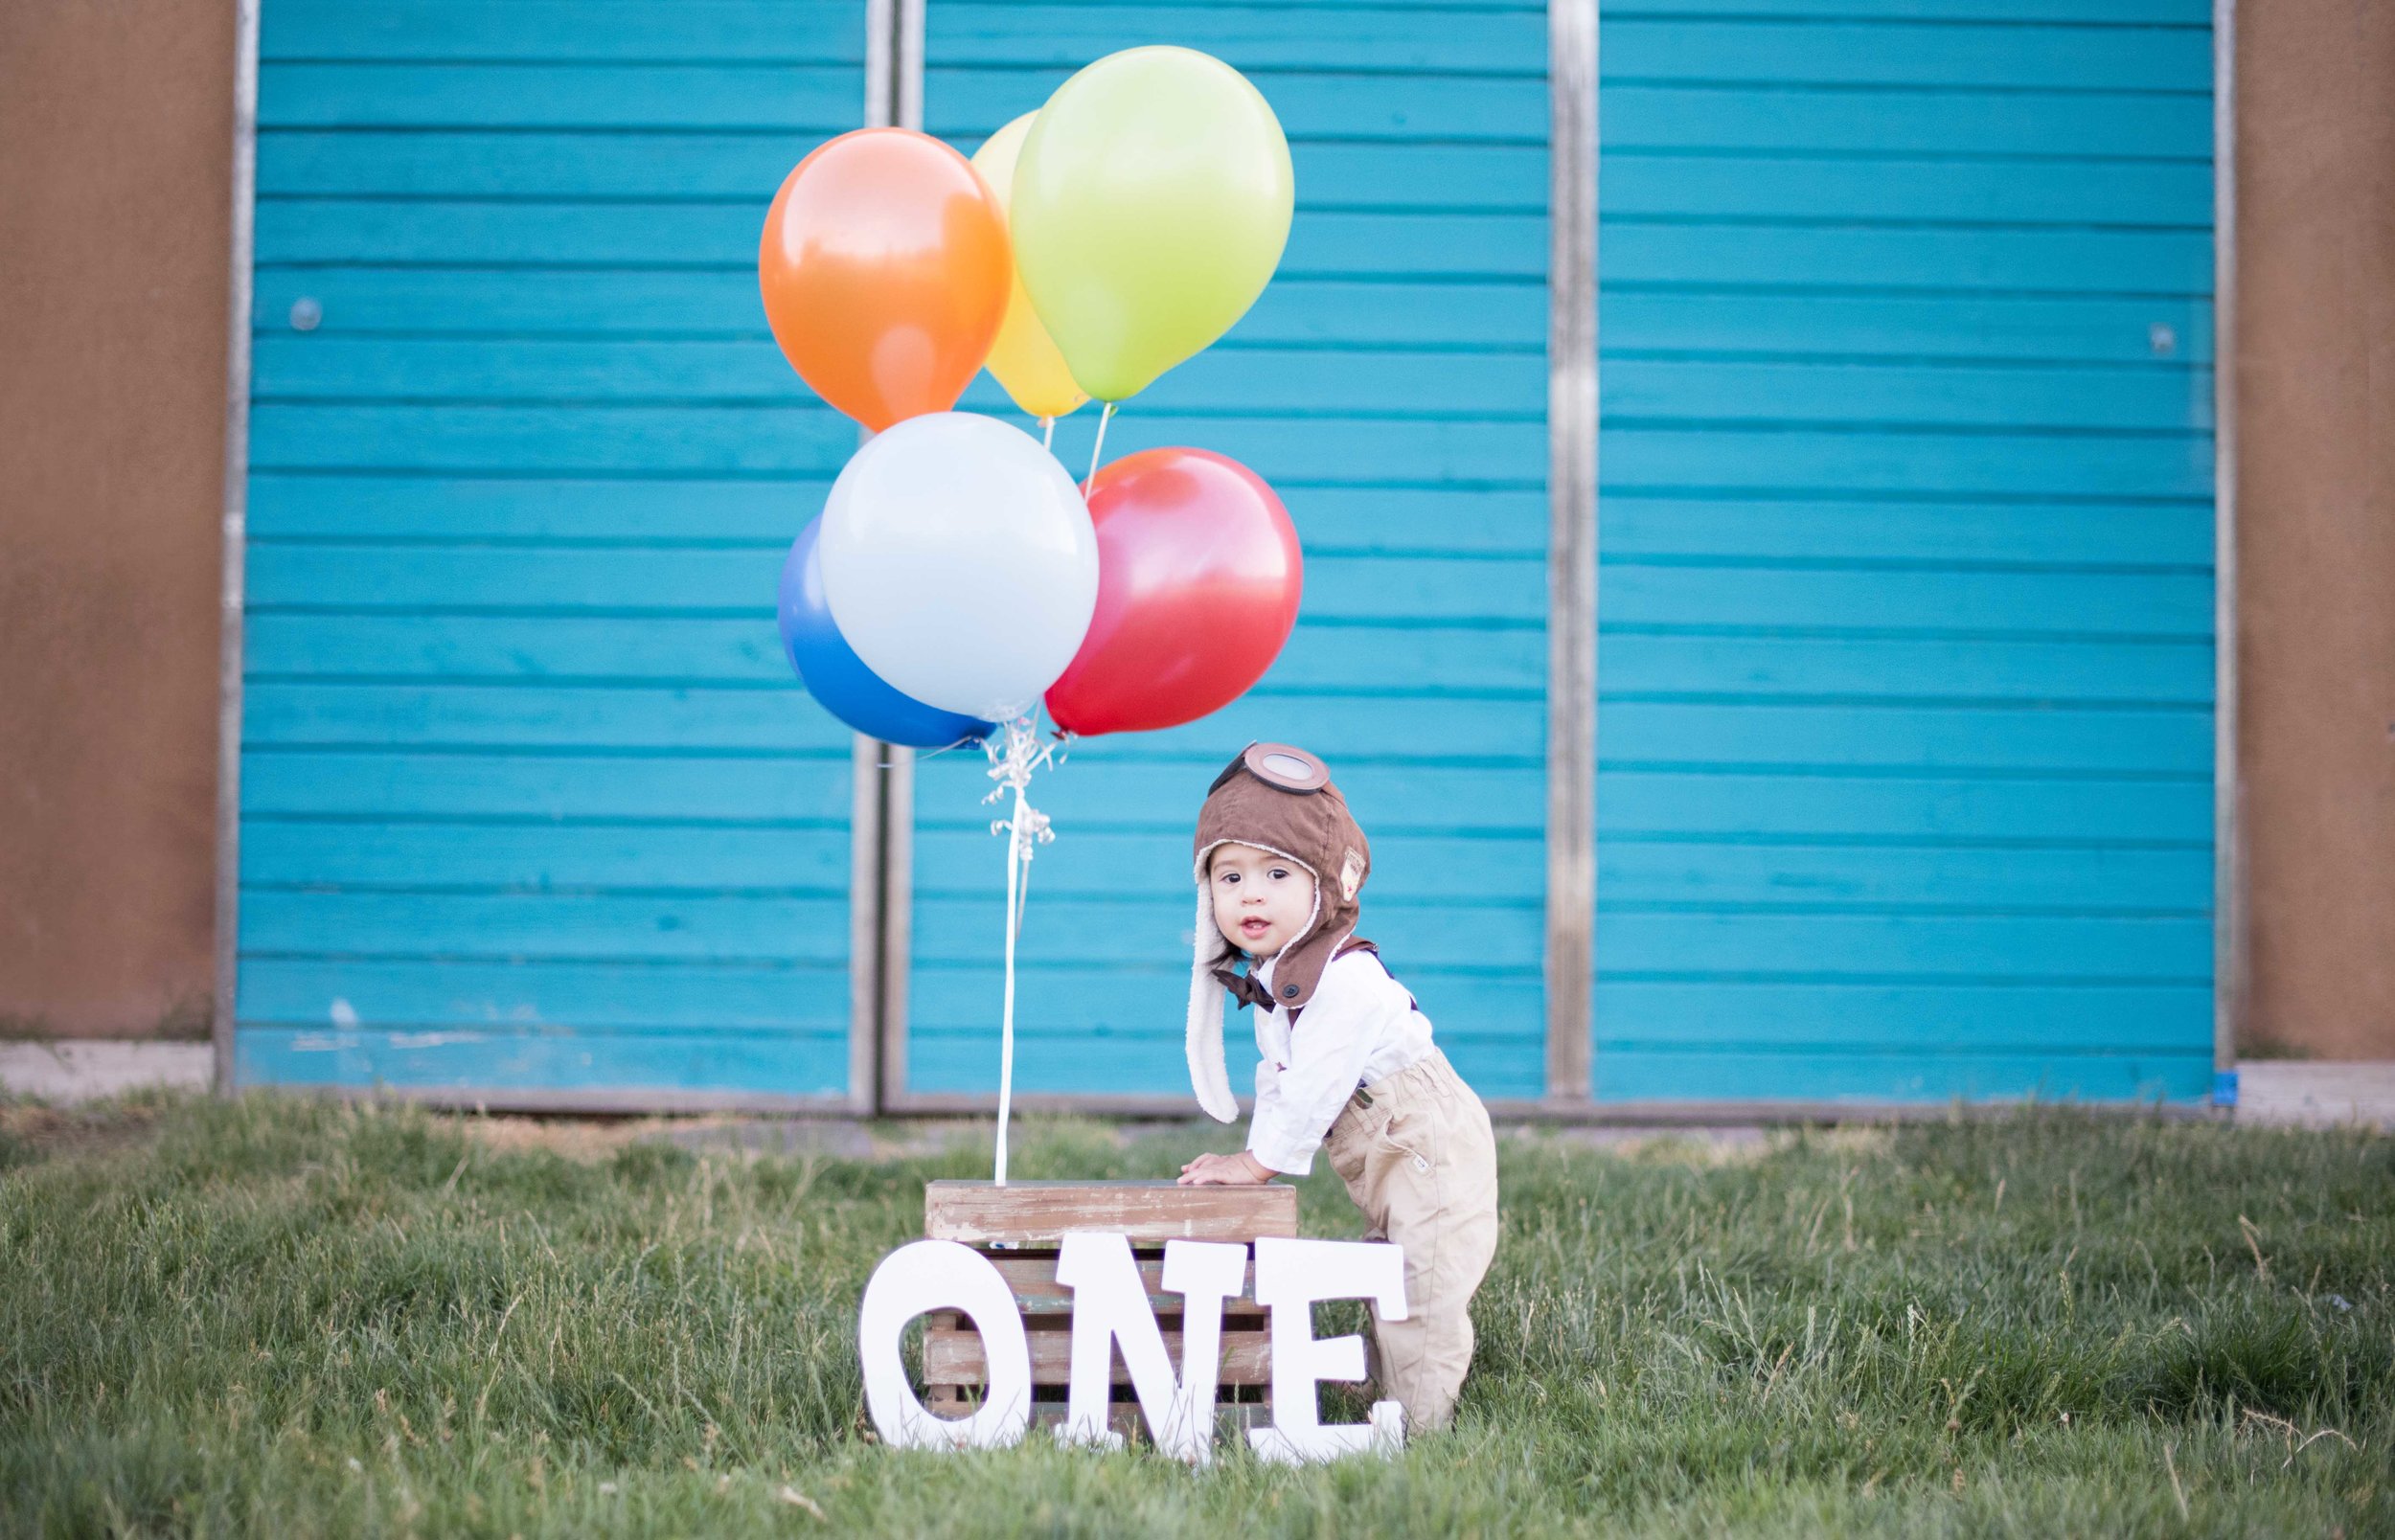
point(1006, 1022)
point(949, 747)
point(1011, 767)
point(1022, 897)
point(1103, 418)
point(1047, 433)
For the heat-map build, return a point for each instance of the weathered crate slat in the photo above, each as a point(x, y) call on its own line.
point(1231, 1418)
point(954, 1357)
point(1020, 1227)
point(1039, 1214)
point(1032, 1279)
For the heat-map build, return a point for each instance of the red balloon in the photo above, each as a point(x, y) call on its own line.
point(1199, 575)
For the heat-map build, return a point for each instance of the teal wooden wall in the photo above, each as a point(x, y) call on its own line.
point(1905, 652)
point(529, 799)
point(1906, 659)
point(1391, 385)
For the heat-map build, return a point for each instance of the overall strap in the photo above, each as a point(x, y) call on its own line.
point(1356, 944)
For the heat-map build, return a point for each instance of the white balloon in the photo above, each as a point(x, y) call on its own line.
point(960, 563)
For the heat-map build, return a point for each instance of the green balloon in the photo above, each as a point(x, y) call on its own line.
point(1151, 204)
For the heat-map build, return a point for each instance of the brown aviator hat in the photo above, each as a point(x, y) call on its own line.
point(1278, 798)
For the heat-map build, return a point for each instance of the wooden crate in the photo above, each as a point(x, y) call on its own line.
point(1021, 1226)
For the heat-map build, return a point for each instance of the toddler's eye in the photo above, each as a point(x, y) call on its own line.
point(1280, 873)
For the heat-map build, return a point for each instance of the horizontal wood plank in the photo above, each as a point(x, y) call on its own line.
point(957, 1358)
point(2144, 396)
point(1896, 121)
point(1232, 1419)
point(696, 1000)
point(1042, 1214)
point(574, 650)
point(531, 513)
point(1037, 1293)
point(1811, 1075)
point(527, 1058)
point(1749, 595)
point(815, 101)
point(1478, 1013)
point(735, 166)
point(803, 439)
point(746, 32)
point(2196, 15)
point(1715, 940)
point(740, 583)
point(802, 442)
point(1330, 243)
point(722, 302)
point(1931, 1020)
point(2014, 737)
point(1821, 50)
point(1428, 870)
point(1406, 796)
point(530, 301)
point(1109, 1057)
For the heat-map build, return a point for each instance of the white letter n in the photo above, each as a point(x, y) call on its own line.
point(1111, 1305)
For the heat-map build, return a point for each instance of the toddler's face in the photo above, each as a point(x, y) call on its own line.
point(1262, 901)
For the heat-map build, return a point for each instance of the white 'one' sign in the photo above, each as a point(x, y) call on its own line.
point(1109, 1307)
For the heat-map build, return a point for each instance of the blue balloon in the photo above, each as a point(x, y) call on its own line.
point(834, 675)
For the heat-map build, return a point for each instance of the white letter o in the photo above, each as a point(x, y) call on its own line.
point(941, 1275)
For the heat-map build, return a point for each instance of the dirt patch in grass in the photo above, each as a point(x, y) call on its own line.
point(36, 1131)
point(587, 1141)
point(1709, 1147)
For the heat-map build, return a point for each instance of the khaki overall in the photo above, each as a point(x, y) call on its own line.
point(1417, 1157)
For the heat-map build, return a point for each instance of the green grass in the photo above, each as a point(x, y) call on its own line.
point(284, 1316)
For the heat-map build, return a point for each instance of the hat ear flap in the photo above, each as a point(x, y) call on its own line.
point(1208, 1074)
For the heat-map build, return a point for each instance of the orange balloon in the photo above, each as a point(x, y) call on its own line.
point(885, 268)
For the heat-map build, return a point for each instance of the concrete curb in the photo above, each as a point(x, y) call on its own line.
point(67, 1072)
point(2311, 1094)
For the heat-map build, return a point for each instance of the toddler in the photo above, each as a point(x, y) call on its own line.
point(1347, 1061)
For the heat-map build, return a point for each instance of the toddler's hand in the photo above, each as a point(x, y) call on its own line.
point(1241, 1169)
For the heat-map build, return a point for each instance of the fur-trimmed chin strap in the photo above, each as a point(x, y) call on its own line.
point(1208, 1074)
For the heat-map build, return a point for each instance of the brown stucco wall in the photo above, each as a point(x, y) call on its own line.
point(2316, 488)
point(115, 176)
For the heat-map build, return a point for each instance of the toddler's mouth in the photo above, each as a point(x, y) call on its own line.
point(1252, 928)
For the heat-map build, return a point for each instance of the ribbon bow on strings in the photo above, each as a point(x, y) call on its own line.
point(1010, 766)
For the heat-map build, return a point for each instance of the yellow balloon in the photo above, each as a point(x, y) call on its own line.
point(1024, 359)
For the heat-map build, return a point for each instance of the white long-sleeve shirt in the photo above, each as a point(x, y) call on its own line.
point(1360, 1026)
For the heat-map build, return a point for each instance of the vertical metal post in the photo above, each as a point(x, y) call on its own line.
point(898, 916)
point(1571, 899)
point(865, 924)
point(868, 895)
point(234, 545)
point(2229, 960)
point(909, 83)
point(901, 31)
point(880, 66)
point(883, 775)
